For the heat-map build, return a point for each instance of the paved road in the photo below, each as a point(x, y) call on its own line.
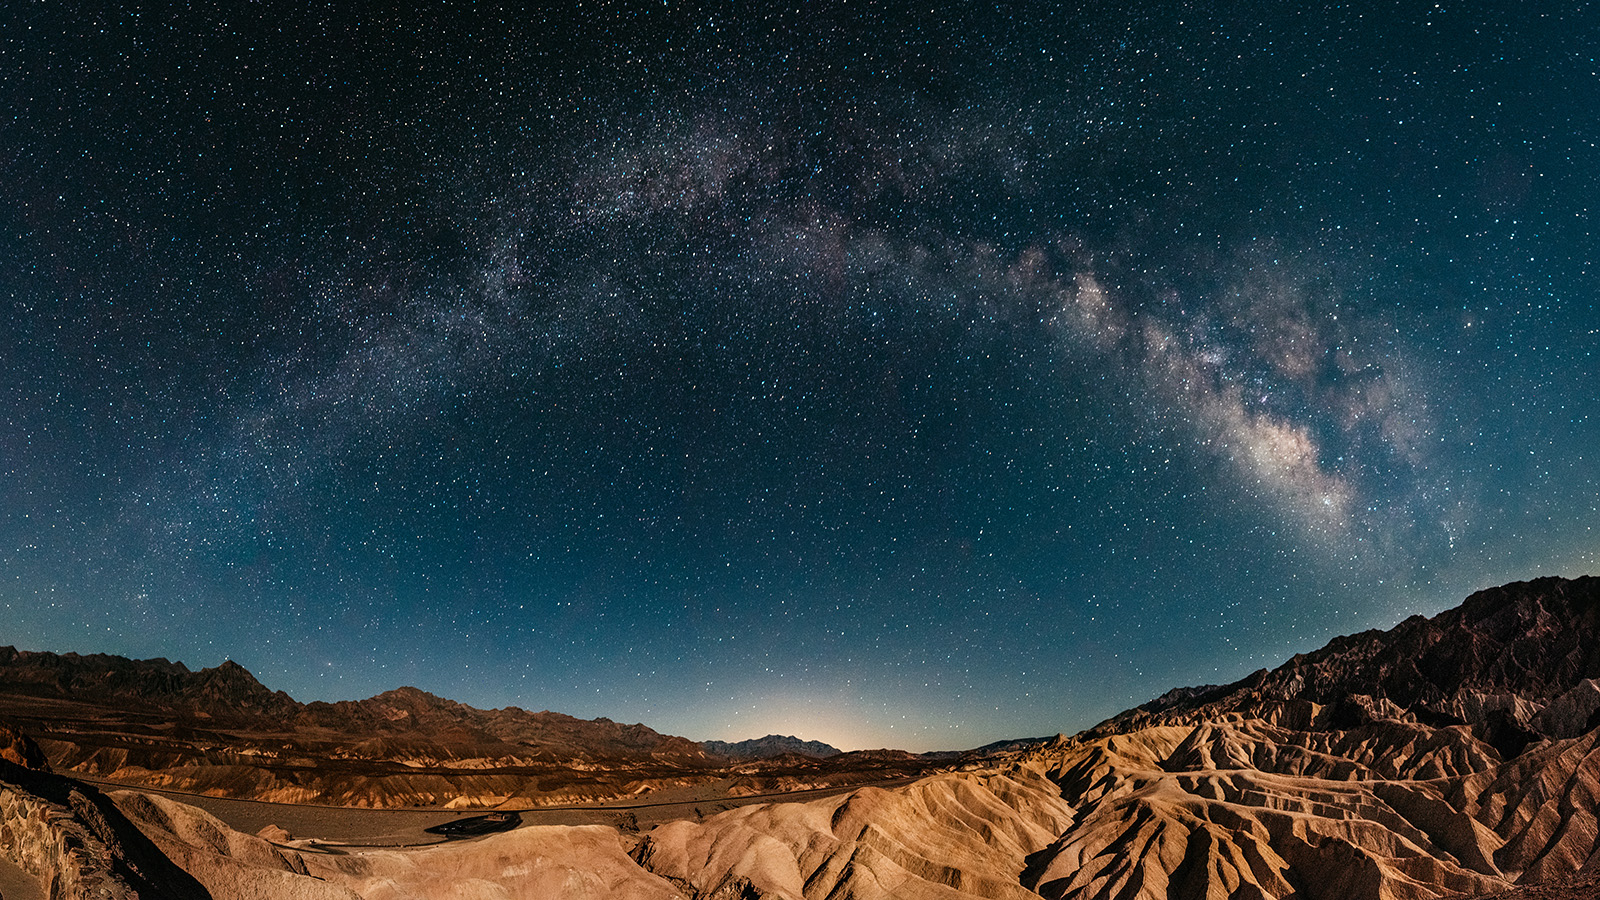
point(358, 827)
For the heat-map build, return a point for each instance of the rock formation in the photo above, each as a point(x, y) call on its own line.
point(72, 840)
point(1451, 756)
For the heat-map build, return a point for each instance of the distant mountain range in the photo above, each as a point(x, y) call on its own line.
point(770, 746)
point(229, 696)
point(158, 723)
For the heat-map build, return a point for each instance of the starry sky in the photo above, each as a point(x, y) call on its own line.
point(889, 375)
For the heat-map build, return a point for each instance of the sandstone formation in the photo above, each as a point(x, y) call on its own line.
point(948, 836)
point(1444, 757)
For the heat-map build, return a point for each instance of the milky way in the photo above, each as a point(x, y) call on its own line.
point(888, 376)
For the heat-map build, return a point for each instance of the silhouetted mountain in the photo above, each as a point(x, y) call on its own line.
point(769, 746)
point(997, 748)
point(227, 691)
point(229, 694)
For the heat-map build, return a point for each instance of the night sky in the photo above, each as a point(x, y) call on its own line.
point(910, 376)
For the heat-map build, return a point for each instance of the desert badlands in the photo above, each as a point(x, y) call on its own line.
point(1448, 757)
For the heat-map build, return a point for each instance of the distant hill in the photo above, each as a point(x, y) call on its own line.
point(1002, 747)
point(770, 746)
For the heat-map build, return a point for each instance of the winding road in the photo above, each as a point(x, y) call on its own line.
point(343, 827)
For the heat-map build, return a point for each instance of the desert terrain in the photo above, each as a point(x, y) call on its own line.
point(1457, 756)
point(219, 732)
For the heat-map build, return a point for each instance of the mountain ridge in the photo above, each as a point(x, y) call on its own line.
point(769, 746)
point(1536, 641)
point(230, 693)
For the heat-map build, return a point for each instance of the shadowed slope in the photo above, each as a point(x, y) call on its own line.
point(1516, 663)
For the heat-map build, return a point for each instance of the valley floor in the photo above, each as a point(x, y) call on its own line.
point(354, 826)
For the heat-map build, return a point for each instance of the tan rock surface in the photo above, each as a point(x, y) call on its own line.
point(559, 862)
point(1207, 822)
point(945, 837)
point(73, 842)
point(1233, 808)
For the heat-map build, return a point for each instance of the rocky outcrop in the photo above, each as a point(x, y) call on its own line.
point(1246, 810)
point(1451, 756)
point(78, 845)
point(1494, 663)
point(227, 863)
point(20, 750)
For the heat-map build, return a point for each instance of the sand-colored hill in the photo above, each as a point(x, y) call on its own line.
point(952, 835)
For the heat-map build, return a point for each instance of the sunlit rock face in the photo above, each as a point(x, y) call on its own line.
point(946, 836)
point(20, 750)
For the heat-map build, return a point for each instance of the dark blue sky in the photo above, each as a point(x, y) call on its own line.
point(882, 375)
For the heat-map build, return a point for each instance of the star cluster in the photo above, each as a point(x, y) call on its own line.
point(886, 375)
